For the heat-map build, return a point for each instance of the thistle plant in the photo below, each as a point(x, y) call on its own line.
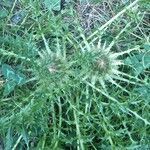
point(104, 65)
point(99, 63)
point(62, 88)
point(53, 71)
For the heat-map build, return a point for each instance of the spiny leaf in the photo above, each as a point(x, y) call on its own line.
point(139, 62)
point(52, 4)
point(10, 74)
point(9, 140)
point(147, 47)
point(12, 77)
point(9, 87)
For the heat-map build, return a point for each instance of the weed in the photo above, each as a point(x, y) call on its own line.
point(74, 77)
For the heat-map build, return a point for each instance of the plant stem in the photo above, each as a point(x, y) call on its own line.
point(19, 139)
point(54, 124)
point(80, 140)
point(60, 121)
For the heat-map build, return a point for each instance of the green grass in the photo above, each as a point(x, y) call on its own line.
point(76, 78)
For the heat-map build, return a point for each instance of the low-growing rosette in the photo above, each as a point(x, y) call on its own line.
point(99, 64)
point(53, 72)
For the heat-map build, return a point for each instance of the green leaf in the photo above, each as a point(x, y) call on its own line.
point(41, 143)
point(7, 3)
point(139, 62)
point(8, 72)
point(11, 75)
point(144, 92)
point(147, 47)
point(9, 140)
point(146, 60)
point(9, 87)
point(13, 78)
point(20, 79)
point(52, 4)
point(25, 137)
point(3, 13)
